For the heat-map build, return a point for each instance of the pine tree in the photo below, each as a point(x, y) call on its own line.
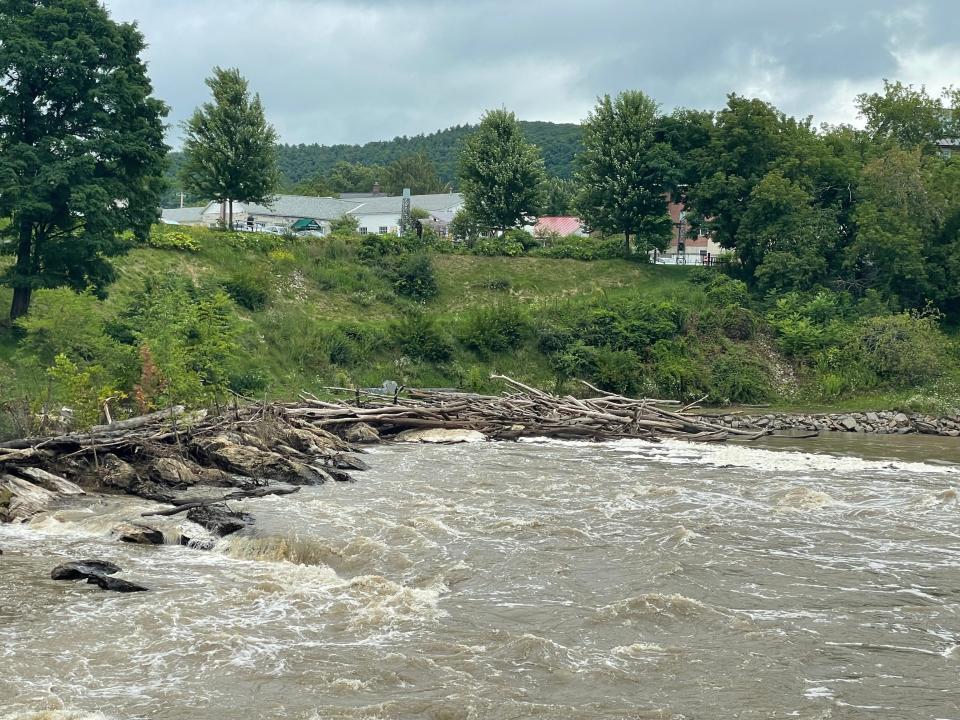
point(81, 144)
point(501, 175)
point(624, 174)
point(230, 150)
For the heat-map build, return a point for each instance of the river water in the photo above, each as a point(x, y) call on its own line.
point(531, 580)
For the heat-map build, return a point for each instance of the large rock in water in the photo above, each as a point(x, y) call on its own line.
point(441, 436)
point(137, 533)
point(117, 473)
point(361, 433)
point(173, 472)
point(83, 569)
point(217, 520)
point(256, 463)
point(116, 584)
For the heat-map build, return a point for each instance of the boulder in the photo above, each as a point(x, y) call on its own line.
point(342, 461)
point(361, 433)
point(901, 419)
point(217, 520)
point(173, 472)
point(21, 500)
point(118, 474)
point(848, 423)
point(137, 534)
point(116, 584)
point(49, 481)
point(444, 436)
point(83, 569)
point(256, 463)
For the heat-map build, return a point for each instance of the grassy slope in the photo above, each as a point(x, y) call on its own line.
point(314, 292)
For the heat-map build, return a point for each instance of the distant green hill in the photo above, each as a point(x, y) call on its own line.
point(559, 142)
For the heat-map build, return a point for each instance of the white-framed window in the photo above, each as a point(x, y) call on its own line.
point(363, 231)
point(384, 230)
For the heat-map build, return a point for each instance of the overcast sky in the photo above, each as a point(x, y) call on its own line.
point(363, 70)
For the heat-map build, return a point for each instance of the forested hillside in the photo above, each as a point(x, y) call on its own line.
point(558, 142)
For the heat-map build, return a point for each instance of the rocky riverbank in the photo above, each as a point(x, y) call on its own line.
point(880, 423)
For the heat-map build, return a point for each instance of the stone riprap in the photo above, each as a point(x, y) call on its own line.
point(881, 423)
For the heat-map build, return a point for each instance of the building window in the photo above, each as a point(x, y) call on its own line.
point(384, 229)
point(363, 231)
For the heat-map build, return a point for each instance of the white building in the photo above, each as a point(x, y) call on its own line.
point(375, 214)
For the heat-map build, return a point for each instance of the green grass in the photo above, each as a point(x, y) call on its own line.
point(321, 290)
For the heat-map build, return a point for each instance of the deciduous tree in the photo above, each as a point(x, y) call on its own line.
point(501, 174)
point(230, 149)
point(81, 143)
point(624, 172)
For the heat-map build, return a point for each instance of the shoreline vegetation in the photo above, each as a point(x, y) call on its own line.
point(196, 315)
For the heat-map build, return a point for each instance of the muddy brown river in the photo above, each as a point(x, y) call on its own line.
point(531, 580)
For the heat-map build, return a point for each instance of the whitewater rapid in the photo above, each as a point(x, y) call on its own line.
point(537, 579)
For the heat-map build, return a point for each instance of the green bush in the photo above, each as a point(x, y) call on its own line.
point(723, 290)
point(675, 373)
point(907, 348)
point(419, 336)
point(575, 247)
point(736, 378)
point(250, 288)
point(493, 246)
point(163, 237)
point(494, 329)
point(414, 278)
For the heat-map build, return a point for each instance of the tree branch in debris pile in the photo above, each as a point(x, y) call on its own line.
point(161, 455)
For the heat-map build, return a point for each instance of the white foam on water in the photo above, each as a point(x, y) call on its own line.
point(735, 455)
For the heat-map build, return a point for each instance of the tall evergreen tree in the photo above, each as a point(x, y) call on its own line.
point(81, 143)
point(230, 149)
point(501, 175)
point(624, 172)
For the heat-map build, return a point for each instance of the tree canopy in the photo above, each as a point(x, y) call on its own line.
point(230, 149)
point(81, 143)
point(625, 172)
point(501, 174)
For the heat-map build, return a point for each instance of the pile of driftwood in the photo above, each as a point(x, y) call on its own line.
point(163, 455)
point(262, 449)
point(524, 411)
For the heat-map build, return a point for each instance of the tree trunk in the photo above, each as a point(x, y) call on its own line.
point(626, 244)
point(22, 290)
point(231, 215)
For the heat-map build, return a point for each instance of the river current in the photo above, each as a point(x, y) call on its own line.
point(528, 580)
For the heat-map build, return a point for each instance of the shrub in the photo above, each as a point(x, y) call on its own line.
point(723, 290)
point(493, 246)
point(494, 329)
point(62, 322)
point(83, 390)
point(413, 277)
point(575, 247)
point(420, 337)
point(738, 379)
point(250, 288)
point(676, 374)
point(907, 348)
point(163, 237)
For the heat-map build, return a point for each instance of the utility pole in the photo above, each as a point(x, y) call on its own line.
point(405, 212)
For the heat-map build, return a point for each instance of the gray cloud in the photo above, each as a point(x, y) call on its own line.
point(336, 71)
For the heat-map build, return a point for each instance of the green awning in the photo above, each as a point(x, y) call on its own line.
point(305, 224)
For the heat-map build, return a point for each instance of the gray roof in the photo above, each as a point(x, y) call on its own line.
point(183, 215)
point(442, 202)
point(325, 208)
point(304, 206)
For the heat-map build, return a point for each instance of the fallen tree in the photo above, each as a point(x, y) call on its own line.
point(523, 411)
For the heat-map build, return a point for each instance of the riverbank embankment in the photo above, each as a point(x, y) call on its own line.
point(880, 423)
